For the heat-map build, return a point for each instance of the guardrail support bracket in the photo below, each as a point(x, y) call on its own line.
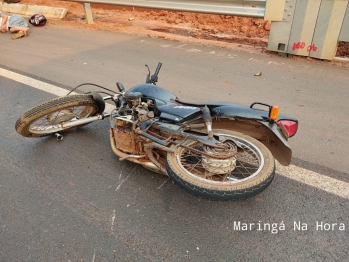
point(88, 13)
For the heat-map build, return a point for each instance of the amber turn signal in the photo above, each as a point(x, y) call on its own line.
point(274, 113)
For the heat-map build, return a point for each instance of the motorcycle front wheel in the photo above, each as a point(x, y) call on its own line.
point(254, 170)
point(46, 118)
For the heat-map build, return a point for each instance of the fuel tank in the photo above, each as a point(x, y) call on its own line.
point(159, 94)
point(166, 107)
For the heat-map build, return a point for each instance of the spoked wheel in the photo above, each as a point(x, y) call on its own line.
point(47, 117)
point(243, 175)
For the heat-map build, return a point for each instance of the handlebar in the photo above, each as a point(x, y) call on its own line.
point(120, 87)
point(154, 78)
point(158, 68)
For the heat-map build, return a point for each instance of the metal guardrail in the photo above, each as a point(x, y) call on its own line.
point(250, 8)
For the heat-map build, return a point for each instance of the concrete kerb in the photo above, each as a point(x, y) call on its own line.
point(29, 10)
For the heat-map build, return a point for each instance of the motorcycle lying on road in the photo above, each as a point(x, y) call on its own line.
point(215, 150)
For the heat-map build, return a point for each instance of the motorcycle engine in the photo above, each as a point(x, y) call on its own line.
point(134, 99)
point(123, 123)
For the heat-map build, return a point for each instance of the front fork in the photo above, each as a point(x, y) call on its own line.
point(99, 100)
point(82, 121)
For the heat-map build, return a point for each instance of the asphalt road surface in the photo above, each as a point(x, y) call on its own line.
point(73, 200)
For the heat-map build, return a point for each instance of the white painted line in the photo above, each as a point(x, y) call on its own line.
point(55, 90)
point(163, 183)
point(194, 50)
point(117, 188)
point(113, 220)
point(94, 255)
point(52, 89)
point(325, 183)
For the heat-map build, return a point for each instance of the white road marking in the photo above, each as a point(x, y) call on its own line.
point(94, 255)
point(325, 183)
point(117, 188)
point(113, 220)
point(194, 50)
point(163, 183)
point(52, 89)
point(275, 63)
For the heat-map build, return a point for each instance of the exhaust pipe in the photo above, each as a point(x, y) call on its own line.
point(59, 137)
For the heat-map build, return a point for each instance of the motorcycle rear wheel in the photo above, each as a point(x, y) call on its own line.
point(254, 171)
point(46, 118)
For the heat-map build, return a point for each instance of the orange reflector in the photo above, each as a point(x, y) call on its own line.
point(274, 113)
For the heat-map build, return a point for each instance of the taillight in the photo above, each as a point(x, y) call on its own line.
point(291, 126)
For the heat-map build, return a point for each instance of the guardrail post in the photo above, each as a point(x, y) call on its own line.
point(344, 34)
point(88, 13)
point(328, 26)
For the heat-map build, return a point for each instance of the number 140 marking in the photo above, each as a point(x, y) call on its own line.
point(301, 45)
